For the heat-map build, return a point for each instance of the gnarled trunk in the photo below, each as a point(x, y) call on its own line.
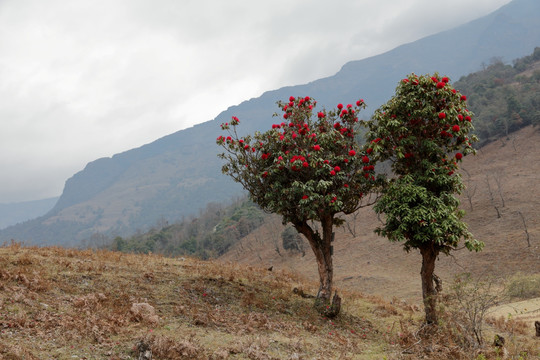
point(429, 293)
point(322, 248)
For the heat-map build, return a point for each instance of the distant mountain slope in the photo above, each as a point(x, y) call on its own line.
point(13, 213)
point(179, 174)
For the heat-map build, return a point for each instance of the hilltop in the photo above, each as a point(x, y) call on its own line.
point(71, 304)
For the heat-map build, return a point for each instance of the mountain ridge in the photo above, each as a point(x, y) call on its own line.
point(179, 174)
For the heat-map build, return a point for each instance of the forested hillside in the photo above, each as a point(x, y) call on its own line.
point(503, 97)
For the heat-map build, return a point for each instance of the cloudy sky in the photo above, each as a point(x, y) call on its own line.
point(80, 80)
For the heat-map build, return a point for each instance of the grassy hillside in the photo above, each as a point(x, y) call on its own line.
point(69, 304)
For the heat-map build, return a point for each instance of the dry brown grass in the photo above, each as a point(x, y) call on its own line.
point(69, 304)
point(64, 304)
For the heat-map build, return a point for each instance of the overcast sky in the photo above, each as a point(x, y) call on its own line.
point(80, 80)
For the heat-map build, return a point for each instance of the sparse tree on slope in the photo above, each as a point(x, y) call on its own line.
point(307, 168)
point(424, 132)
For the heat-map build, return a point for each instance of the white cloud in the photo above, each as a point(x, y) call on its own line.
point(86, 79)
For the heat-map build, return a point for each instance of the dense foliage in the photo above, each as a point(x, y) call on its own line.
point(302, 167)
point(504, 98)
point(423, 130)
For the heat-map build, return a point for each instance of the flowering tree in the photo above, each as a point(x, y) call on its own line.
point(424, 132)
point(308, 169)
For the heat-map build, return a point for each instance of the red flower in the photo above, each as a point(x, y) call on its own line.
point(442, 115)
point(459, 156)
point(305, 164)
point(285, 115)
point(305, 197)
point(460, 117)
point(365, 159)
point(307, 98)
point(332, 172)
point(326, 162)
point(359, 102)
point(408, 155)
point(264, 156)
point(352, 153)
point(265, 174)
point(440, 85)
point(463, 98)
point(337, 168)
point(345, 185)
point(445, 79)
point(405, 80)
point(340, 106)
point(246, 147)
point(320, 115)
point(455, 128)
point(316, 147)
point(369, 150)
point(468, 118)
point(291, 98)
point(434, 79)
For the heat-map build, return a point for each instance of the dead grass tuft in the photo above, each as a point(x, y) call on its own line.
point(163, 347)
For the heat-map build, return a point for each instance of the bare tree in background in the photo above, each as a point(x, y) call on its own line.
point(525, 226)
point(491, 199)
point(470, 190)
point(499, 180)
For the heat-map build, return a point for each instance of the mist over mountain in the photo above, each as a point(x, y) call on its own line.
point(179, 174)
point(13, 213)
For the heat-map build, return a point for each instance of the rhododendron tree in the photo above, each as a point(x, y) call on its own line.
point(309, 169)
point(424, 131)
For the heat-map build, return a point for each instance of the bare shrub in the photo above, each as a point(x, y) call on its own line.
point(469, 301)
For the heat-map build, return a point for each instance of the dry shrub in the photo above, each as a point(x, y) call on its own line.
point(255, 347)
point(250, 299)
point(24, 259)
point(90, 301)
point(144, 312)
point(163, 347)
point(15, 352)
point(509, 325)
point(430, 342)
point(385, 310)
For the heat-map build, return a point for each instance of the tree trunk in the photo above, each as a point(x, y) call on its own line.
point(323, 255)
point(429, 294)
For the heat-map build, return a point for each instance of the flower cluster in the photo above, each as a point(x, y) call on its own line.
point(436, 113)
point(309, 157)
